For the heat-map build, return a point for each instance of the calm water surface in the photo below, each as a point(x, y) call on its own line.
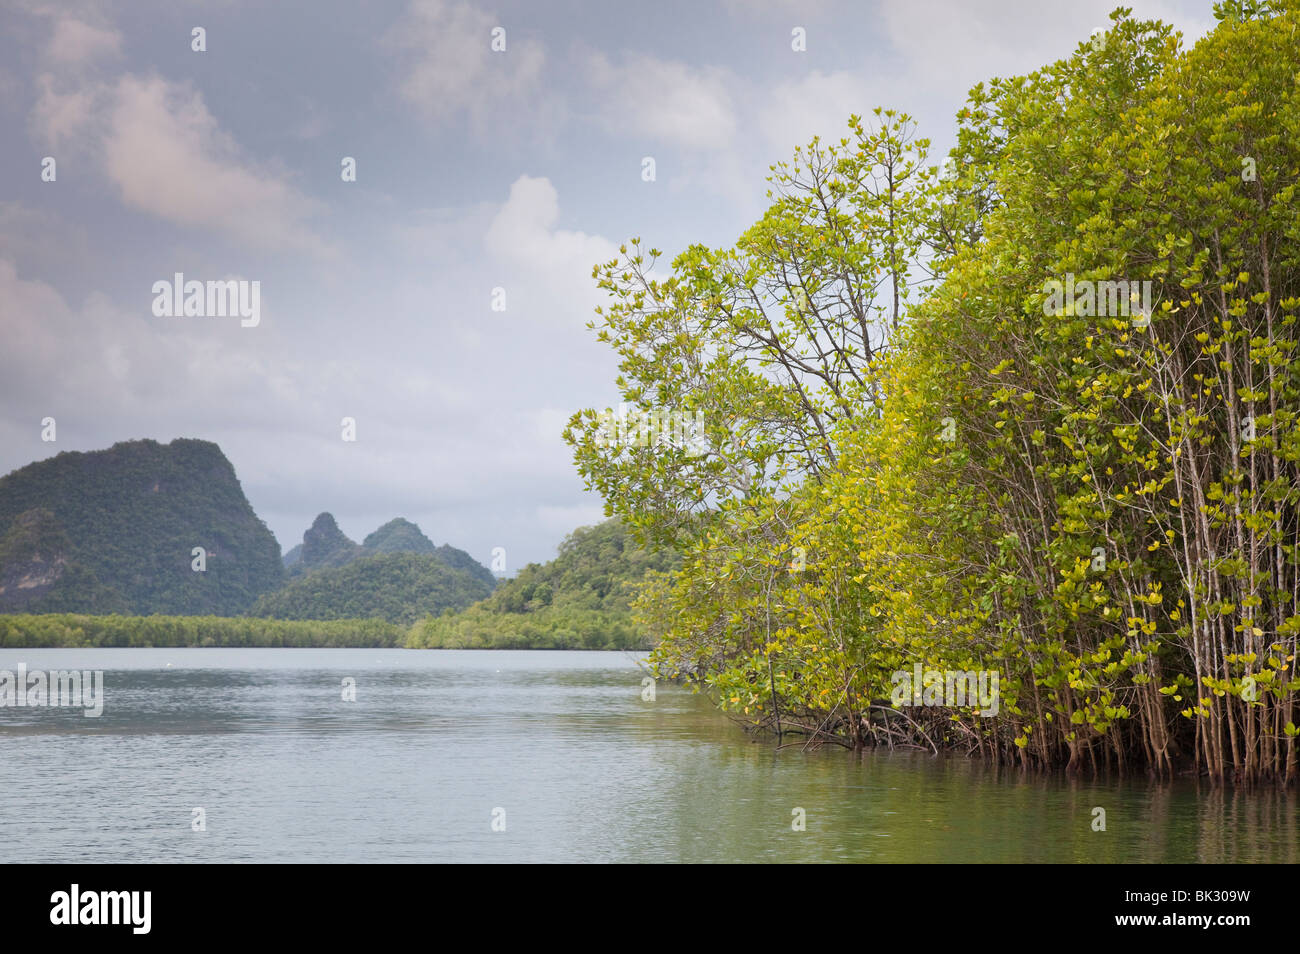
point(584, 769)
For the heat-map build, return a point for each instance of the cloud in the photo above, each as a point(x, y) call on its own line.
point(39, 239)
point(448, 67)
point(797, 11)
point(438, 234)
point(667, 101)
point(159, 145)
point(64, 117)
point(123, 363)
point(67, 102)
point(551, 264)
point(940, 48)
point(946, 43)
point(78, 43)
point(168, 157)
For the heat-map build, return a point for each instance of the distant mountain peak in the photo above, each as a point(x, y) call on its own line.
point(325, 523)
point(115, 530)
point(399, 535)
point(324, 544)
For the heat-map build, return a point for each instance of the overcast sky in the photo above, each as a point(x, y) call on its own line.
point(475, 170)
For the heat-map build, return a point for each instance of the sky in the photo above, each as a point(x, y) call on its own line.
point(477, 172)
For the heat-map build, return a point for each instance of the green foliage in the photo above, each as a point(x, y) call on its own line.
point(897, 479)
point(398, 536)
point(398, 587)
point(546, 628)
point(769, 341)
point(325, 545)
point(579, 600)
point(461, 561)
point(36, 575)
point(121, 525)
point(68, 630)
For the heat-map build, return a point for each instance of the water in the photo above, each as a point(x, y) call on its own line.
point(584, 769)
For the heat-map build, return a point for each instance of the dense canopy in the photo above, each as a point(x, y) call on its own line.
point(1033, 414)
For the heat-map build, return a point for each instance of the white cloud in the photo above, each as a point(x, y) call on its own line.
point(665, 100)
point(123, 362)
point(67, 102)
point(167, 156)
point(438, 235)
point(62, 116)
point(796, 11)
point(940, 48)
point(448, 65)
point(158, 143)
point(78, 43)
point(550, 263)
point(945, 43)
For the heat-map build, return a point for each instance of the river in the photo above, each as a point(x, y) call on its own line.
point(529, 756)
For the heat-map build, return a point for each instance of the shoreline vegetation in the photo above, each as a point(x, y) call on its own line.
point(82, 631)
point(580, 600)
point(474, 628)
point(942, 430)
point(592, 631)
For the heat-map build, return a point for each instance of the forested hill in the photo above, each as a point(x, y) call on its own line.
point(148, 528)
point(402, 536)
point(324, 545)
point(115, 531)
point(397, 575)
point(580, 600)
point(397, 587)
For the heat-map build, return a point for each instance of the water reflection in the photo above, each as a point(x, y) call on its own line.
point(585, 769)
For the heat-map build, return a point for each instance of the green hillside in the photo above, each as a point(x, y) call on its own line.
point(36, 575)
point(399, 536)
point(579, 600)
point(397, 587)
point(114, 531)
point(402, 536)
point(323, 545)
